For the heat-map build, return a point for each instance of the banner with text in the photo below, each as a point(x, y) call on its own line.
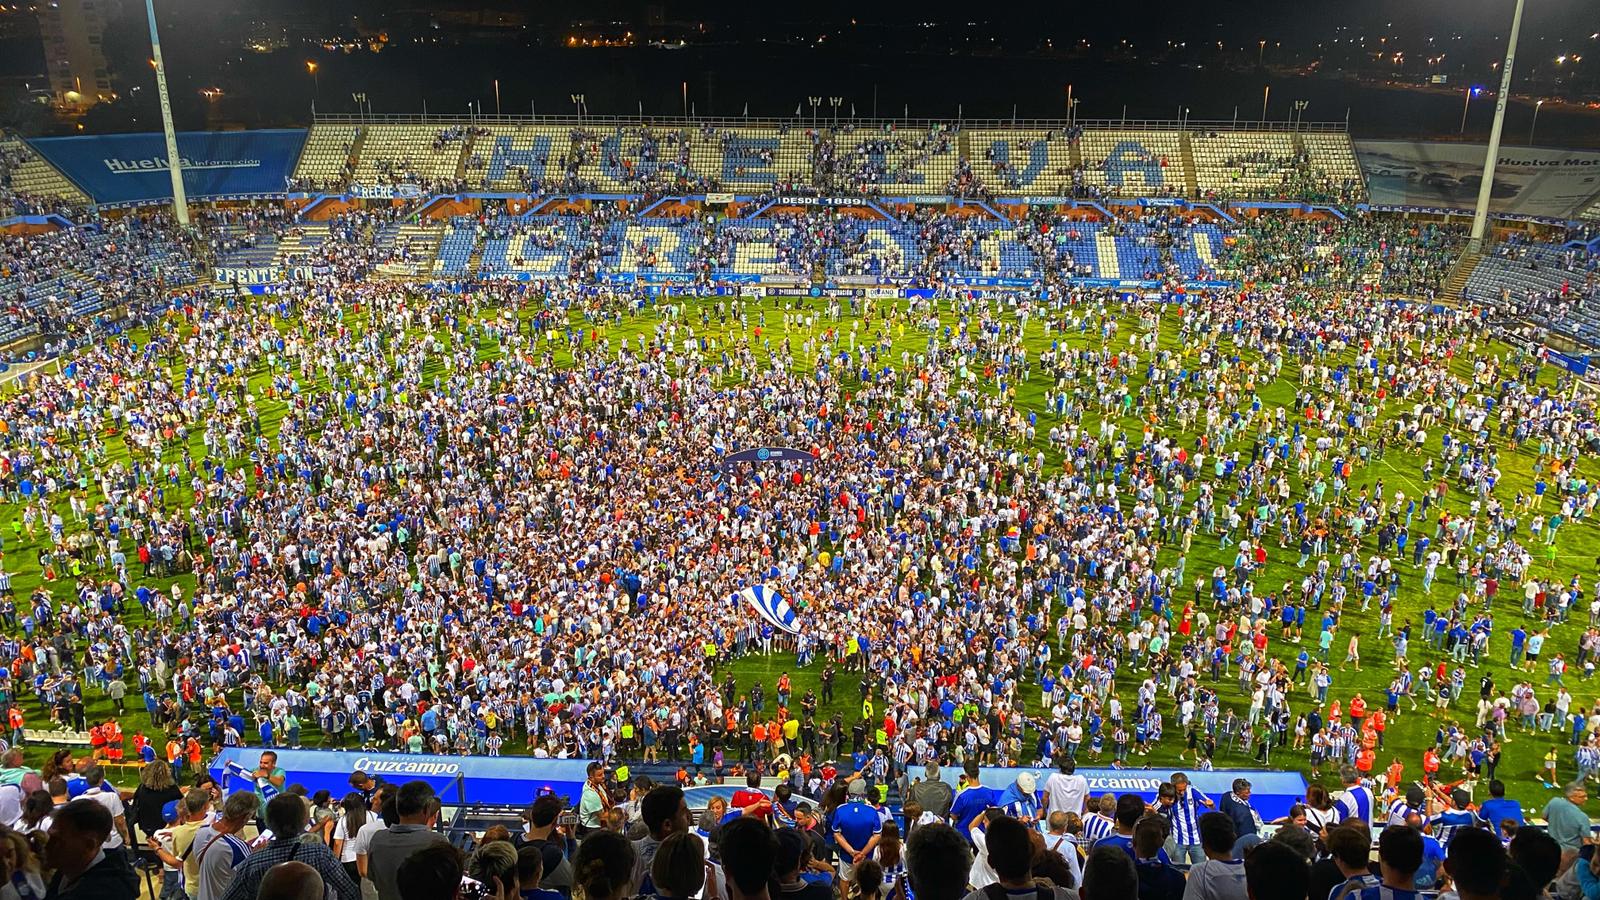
point(1528, 181)
point(513, 780)
point(132, 168)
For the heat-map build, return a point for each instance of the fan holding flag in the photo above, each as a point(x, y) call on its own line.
point(771, 606)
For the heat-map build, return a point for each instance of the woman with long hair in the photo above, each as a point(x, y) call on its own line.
point(890, 854)
point(1319, 810)
point(602, 869)
point(20, 878)
point(36, 810)
point(156, 789)
point(353, 815)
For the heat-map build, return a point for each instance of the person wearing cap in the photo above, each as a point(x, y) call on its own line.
point(174, 844)
point(856, 827)
point(1019, 800)
point(160, 843)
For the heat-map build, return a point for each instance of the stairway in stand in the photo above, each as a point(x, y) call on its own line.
point(1460, 274)
point(1191, 180)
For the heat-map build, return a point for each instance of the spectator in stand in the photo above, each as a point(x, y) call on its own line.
point(1497, 808)
point(938, 859)
point(1348, 863)
point(286, 818)
point(1536, 857)
point(1568, 823)
point(1221, 876)
point(494, 865)
point(1011, 858)
point(84, 870)
point(1109, 874)
point(678, 870)
point(931, 793)
point(1236, 805)
point(1476, 864)
point(1157, 880)
point(1274, 871)
point(1399, 856)
point(417, 809)
point(431, 873)
point(749, 850)
point(291, 880)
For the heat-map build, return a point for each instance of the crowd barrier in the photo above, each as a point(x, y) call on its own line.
point(517, 780)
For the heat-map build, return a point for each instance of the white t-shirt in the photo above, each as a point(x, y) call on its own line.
point(113, 804)
point(341, 832)
point(10, 803)
point(1066, 793)
point(364, 836)
point(218, 859)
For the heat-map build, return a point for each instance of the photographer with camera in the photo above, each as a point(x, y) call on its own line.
point(545, 828)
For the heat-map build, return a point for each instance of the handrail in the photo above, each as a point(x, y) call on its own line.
point(826, 124)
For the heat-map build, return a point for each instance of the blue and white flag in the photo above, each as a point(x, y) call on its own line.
point(771, 606)
point(233, 772)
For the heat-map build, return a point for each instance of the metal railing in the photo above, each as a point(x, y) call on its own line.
point(823, 123)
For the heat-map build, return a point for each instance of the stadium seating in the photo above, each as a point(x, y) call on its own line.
point(325, 158)
point(877, 159)
point(1524, 269)
point(1331, 155)
point(888, 160)
point(515, 157)
point(1233, 164)
point(410, 154)
point(536, 246)
point(297, 245)
point(1125, 163)
point(1023, 161)
point(27, 175)
point(455, 249)
point(752, 159)
point(401, 242)
point(880, 249)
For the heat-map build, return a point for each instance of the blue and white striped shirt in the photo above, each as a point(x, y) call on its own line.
point(1355, 802)
point(1096, 828)
point(1446, 824)
point(1186, 811)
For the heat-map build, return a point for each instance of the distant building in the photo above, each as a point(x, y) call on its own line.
point(72, 32)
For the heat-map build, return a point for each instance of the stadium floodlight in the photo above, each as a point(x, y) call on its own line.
point(815, 102)
point(1480, 215)
point(836, 102)
point(1470, 92)
point(1300, 113)
point(577, 102)
point(180, 202)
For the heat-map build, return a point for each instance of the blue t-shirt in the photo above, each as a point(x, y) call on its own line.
point(1432, 856)
point(1497, 809)
point(969, 803)
point(856, 822)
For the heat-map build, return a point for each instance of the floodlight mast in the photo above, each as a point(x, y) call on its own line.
point(180, 202)
point(1480, 214)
